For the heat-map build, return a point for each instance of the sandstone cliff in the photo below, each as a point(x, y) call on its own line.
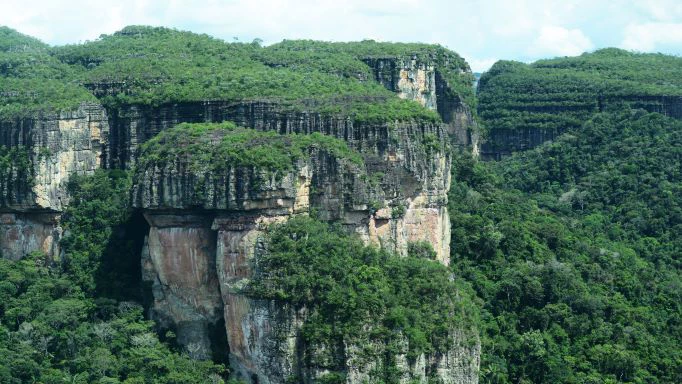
point(47, 149)
point(207, 225)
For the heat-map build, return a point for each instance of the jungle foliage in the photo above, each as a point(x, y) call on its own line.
point(560, 94)
point(574, 248)
point(64, 321)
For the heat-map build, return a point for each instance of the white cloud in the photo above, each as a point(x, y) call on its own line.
point(646, 37)
point(559, 41)
point(660, 10)
point(517, 30)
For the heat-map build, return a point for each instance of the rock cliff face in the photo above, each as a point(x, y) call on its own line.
point(204, 244)
point(46, 151)
point(422, 81)
point(206, 229)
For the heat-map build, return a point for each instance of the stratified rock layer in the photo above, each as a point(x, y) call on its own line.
point(201, 247)
point(57, 146)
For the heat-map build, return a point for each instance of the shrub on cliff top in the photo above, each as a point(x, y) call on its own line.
point(152, 66)
point(217, 147)
point(33, 81)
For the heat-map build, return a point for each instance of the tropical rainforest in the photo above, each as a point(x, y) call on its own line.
point(565, 257)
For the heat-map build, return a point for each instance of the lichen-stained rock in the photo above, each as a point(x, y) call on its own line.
point(39, 154)
point(58, 145)
point(393, 195)
point(179, 262)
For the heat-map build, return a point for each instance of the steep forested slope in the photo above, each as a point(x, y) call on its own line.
point(574, 249)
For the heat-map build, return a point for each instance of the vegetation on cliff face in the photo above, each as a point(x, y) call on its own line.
point(574, 250)
point(16, 174)
point(562, 93)
point(68, 321)
point(360, 295)
point(218, 147)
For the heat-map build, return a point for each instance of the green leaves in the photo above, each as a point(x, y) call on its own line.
point(575, 255)
point(355, 292)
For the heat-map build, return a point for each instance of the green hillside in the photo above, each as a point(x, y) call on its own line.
point(32, 80)
point(152, 66)
point(573, 248)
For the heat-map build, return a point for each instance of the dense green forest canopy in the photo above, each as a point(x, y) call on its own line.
point(355, 293)
point(574, 248)
point(155, 65)
point(34, 81)
point(216, 147)
point(562, 93)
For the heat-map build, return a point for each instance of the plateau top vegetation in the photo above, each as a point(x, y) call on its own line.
point(153, 65)
point(562, 93)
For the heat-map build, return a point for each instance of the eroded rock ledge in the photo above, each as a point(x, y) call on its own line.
point(207, 228)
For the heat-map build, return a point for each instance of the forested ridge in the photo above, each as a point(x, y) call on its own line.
point(565, 257)
point(562, 93)
point(154, 65)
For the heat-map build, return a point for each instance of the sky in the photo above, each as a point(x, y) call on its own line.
point(481, 31)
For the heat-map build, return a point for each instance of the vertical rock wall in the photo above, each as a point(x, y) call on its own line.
point(58, 146)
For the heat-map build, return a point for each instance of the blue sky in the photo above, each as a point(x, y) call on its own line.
point(481, 31)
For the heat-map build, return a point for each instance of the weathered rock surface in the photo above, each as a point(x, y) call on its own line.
point(402, 201)
point(399, 196)
point(206, 230)
point(57, 146)
point(23, 233)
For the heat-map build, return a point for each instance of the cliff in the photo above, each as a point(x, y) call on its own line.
point(523, 106)
point(208, 225)
point(369, 127)
point(41, 153)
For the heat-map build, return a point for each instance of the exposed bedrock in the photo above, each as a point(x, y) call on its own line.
point(397, 196)
point(207, 227)
point(203, 247)
point(42, 153)
point(409, 78)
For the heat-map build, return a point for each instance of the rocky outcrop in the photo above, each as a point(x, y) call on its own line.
point(398, 196)
point(23, 233)
point(204, 244)
point(53, 147)
point(423, 82)
point(206, 227)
